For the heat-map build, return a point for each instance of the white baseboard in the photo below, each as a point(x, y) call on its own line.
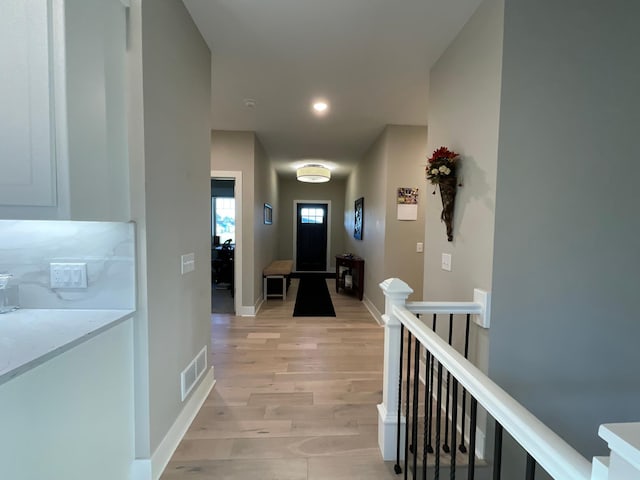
point(388, 433)
point(245, 311)
point(375, 313)
point(259, 305)
point(152, 468)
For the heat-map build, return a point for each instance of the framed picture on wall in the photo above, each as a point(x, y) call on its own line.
point(268, 214)
point(358, 218)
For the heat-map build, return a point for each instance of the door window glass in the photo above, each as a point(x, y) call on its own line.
point(224, 218)
point(312, 215)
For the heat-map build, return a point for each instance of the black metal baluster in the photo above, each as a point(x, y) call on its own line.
point(461, 447)
point(445, 447)
point(531, 467)
point(414, 425)
point(429, 446)
point(454, 429)
point(438, 422)
point(427, 395)
point(497, 453)
point(406, 411)
point(473, 417)
point(397, 468)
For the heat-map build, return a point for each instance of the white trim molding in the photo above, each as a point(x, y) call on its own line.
point(152, 468)
point(623, 440)
point(375, 313)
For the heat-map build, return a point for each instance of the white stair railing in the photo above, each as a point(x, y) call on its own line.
point(551, 452)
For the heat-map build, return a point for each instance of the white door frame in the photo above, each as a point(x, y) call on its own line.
point(237, 254)
point(295, 231)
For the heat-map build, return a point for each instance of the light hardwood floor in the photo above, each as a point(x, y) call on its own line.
point(295, 398)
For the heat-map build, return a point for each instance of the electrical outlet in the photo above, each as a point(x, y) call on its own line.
point(446, 262)
point(68, 275)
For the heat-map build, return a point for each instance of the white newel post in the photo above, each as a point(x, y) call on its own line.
point(396, 292)
point(624, 442)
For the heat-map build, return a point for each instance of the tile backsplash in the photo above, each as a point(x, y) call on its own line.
point(27, 247)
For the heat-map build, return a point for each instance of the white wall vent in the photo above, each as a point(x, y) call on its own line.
point(190, 375)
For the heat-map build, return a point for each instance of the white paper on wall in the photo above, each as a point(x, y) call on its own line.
point(407, 212)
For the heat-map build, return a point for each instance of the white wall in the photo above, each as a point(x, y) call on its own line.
point(71, 418)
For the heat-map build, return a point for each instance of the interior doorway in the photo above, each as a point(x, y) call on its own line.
point(226, 241)
point(311, 235)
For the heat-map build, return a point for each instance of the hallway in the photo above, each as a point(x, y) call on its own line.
point(295, 398)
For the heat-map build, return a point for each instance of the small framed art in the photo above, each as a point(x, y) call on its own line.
point(358, 218)
point(268, 214)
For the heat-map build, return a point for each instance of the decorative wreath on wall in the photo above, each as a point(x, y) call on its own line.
point(441, 171)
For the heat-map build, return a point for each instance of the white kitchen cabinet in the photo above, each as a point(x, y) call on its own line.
point(63, 110)
point(72, 418)
point(27, 137)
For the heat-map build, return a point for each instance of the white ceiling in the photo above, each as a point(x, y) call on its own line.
point(369, 59)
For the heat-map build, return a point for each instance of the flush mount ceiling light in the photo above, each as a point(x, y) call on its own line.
point(313, 173)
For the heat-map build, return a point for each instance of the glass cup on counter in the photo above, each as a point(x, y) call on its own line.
point(9, 298)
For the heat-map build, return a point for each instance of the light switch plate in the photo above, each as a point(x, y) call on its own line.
point(446, 262)
point(419, 247)
point(187, 263)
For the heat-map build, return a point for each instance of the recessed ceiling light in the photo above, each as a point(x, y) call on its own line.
point(320, 107)
point(249, 103)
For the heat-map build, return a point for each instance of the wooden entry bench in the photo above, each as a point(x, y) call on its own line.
point(278, 269)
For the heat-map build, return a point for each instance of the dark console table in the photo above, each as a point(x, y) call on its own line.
point(353, 267)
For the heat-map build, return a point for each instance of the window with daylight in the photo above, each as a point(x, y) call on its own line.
point(312, 215)
point(223, 223)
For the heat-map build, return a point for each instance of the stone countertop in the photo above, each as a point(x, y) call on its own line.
point(30, 337)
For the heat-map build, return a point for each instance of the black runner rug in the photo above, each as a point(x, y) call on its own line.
point(313, 299)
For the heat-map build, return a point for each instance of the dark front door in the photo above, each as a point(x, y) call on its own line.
point(311, 245)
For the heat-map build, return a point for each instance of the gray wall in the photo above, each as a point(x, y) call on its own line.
point(368, 180)
point(290, 190)
point(406, 153)
point(388, 245)
point(234, 151)
point(169, 149)
point(464, 103)
point(243, 152)
point(564, 328)
point(265, 236)
point(464, 111)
